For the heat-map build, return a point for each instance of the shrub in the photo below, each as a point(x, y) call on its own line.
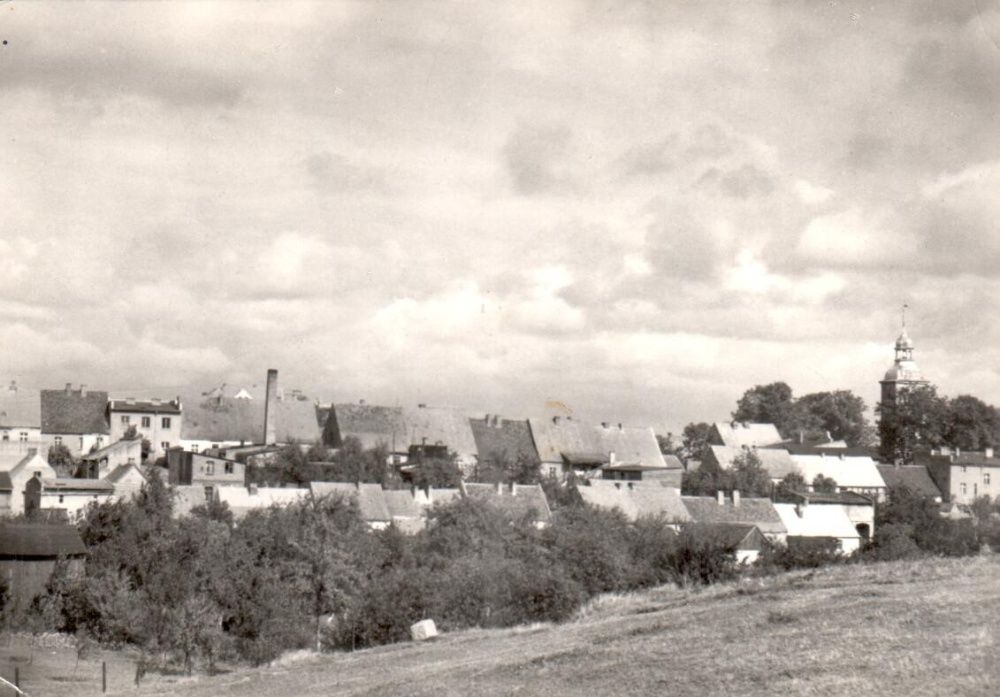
point(701, 556)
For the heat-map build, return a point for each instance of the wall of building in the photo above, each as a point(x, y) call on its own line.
point(78, 444)
point(19, 436)
point(73, 503)
point(163, 431)
point(969, 482)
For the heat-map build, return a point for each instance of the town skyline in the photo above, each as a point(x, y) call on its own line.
point(637, 210)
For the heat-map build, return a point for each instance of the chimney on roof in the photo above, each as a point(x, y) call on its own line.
point(720, 497)
point(988, 452)
point(555, 419)
point(611, 457)
point(958, 451)
point(944, 450)
point(69, 387)
point(800, 508)
point(421, 406)
point(604, 424)
point(620, 427)
point(736, 497)
point(252, 489)
point(499, 488)
point(270, 403)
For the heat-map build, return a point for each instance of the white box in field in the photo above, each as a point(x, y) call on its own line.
point(423, 630)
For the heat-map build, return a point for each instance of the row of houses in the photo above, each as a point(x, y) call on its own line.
point(949, 475)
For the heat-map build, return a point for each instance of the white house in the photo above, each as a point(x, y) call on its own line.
point(819, 522)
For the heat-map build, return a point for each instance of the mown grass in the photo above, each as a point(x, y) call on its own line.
point(895, 629)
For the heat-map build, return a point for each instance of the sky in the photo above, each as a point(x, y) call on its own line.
point(638, 209)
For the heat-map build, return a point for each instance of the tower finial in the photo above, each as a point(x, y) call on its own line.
point(905, 306)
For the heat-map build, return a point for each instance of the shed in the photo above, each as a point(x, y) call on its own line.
point(28, 555)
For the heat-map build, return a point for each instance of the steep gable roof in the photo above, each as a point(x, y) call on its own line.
point(20, 408)
point(759, 512)
point(816, 521)
point(562, 439)
point(122, 471)
point(736, 434)
point(122, 446)
point(226, 419)
point(441, 426)
point(777, 463)
point(372, 425)
point(916, 478)
point(636, 500)
point(849, 471)
point(505, 439)
point(74, 411)
point(25, 541)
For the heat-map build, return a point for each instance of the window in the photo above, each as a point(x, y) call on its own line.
point(194, 448)
point(209, 467)
point(165, 445)
point(228, 467)
point(6, 436)
point(145, 422)
point(208, 493)
point(23, 436)
point(964, 489)
point(165, 423)
point(975, 489)
point(125, 418)
point(100, 441)
point(57, 440)
point(60, 498)
point(986, 479)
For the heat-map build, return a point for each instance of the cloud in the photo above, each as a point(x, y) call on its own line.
point(539, 158)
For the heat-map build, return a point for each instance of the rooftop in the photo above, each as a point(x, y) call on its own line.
point(40, 541)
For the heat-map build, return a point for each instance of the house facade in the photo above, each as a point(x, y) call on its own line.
point(69, 495)
point(964, 476)
point(17, 471)
point(565, 445)
point(100, 463)
point(205, 470)
point(157, 421)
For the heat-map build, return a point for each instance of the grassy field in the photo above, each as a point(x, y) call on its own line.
point(910, 629)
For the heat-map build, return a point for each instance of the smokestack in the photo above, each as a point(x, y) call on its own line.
point(270, 402)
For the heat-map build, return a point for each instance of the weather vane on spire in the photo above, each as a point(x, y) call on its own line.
point(905, 306)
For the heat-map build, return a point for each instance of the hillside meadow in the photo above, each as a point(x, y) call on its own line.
point(901, 628)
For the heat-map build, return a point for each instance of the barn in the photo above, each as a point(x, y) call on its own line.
point(28, 555)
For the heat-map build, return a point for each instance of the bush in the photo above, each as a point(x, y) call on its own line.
point(801, 553)
point(701, 557)
point(893, 541)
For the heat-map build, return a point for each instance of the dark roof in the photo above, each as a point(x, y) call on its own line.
point(107, 450)
point(913, 477)
point(5, 483)
point(74, 411)
point(146, 406)
point(503, 438)
point(372, 425)
point(37, 540)
point(733, 536)
point(221, 419)
point(759, 512)
point(74, 484)
point(977, 458)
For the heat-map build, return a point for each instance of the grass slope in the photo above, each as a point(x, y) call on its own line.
point(927, 628)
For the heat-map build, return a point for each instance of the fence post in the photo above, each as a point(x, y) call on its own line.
point(104, 677)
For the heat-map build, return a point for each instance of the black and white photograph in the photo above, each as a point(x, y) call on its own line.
point(426, 348)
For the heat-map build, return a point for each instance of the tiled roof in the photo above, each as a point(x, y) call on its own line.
point(401, 504)
point(370, 499)
point(373, 425)
point(20, 408)
point(737, 536)
point(503, 439)
point(913, 477)
point(736, 434)
point(145, 406)
point(40, 541)
point(74, 412)
point(518, 500)
point(778, 463)
point(241, 501)
point(816, 521)
point(849, 471)
point(636, 500)
point(119, 473)
point(224, 419)
point(843, 498)
point(558, 438)
point(441, 426)
point(759, 512)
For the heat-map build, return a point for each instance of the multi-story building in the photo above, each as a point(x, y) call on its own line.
point(20, 419)
point(154, 420)
point(964, 476)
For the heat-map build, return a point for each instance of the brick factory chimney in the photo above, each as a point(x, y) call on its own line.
point(270, 404)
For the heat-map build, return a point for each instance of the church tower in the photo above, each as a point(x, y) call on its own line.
point(904, 374)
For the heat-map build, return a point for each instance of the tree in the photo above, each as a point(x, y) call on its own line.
point(791, 484)
point(746, 474)
point(840, 413)
point(971, 424)
point(436, 472)
point(770, 404)
point(60, 457)
point(500, 468)
point(916, 420)
point(695, 439)
point(825, 485)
